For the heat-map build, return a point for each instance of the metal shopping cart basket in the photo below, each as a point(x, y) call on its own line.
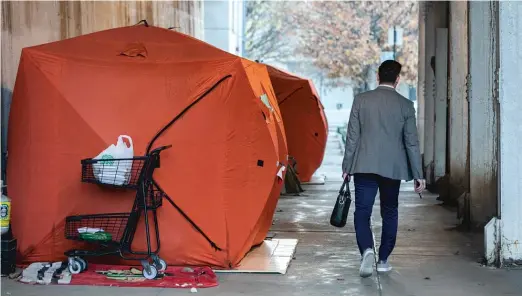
point(113, 233)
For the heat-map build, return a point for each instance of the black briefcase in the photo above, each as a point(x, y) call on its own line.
point(342, 206)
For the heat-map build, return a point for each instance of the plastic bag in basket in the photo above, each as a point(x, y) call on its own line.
point(115, 172)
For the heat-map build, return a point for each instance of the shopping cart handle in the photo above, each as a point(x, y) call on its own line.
point(161, 148)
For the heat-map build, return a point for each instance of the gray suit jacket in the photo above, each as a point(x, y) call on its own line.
point(382, 136)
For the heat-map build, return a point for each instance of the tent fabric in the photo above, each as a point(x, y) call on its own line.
point(265, 87)
point(304, 119)
point(73, 98)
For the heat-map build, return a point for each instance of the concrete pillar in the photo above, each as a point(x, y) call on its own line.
point(421, 80)
point(510, 41)
point(428, 92)
point(436, 17)
point(483, 110)
point(441, 102)
point(458, 102)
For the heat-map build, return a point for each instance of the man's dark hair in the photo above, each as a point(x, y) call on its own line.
point(389, 71)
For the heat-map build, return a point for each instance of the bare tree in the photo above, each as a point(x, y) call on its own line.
point(343, 39)
point(267, 30)
point(403, 14)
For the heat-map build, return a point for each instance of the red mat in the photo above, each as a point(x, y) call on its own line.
point(175, 277)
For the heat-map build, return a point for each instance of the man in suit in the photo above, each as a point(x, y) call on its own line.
point(382, 149)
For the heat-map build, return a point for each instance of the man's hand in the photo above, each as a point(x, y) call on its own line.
point(420, 185)
point(347, 177)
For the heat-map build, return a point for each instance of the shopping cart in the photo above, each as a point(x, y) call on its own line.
point(113, 233)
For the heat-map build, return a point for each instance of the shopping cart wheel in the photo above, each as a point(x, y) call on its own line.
point(83, 263)
point(150, 272)
point(75, 266)
point(160, 264)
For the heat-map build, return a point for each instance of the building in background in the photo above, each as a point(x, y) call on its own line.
point(337, 101)
point(223, 22)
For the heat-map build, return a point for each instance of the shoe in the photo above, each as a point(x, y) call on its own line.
point(383, 266)
point(367, 262)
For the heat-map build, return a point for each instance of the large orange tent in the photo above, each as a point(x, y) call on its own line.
point(72, 99)
point(260, 71)
point(304, 120)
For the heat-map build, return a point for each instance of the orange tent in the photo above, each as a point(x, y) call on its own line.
point(72, 99)
point(304, 119)
point(260, 71)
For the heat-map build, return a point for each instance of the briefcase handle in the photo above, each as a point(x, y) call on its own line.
point(345, 185)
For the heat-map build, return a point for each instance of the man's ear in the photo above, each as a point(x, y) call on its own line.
point(377, 75)
point(397, 81)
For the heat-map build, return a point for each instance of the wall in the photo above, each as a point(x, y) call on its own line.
point(224, 24)
point(35, 22)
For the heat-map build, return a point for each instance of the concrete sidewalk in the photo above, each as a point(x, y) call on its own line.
point(431, 257)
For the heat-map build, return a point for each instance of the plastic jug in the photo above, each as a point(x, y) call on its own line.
point(5, 212)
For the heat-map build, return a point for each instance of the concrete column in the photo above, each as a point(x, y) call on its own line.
point(483, 110)
point(436, 17)
point(428, 91)
point(441, 102)
point(421, 80)
point(510, 41)
point(458, 102)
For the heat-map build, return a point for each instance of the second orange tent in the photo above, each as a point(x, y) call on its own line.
point(304, 120)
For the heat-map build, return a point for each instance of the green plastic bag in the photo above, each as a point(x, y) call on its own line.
point(98, 236)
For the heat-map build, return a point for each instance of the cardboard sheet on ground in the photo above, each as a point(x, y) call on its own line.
point(272, 257)
point(304, 119)
point(72, 98)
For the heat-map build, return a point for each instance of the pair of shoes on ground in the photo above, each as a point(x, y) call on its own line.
point(368, 259)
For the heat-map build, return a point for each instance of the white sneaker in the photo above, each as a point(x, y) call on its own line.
point(383, 266)
point(367, 262)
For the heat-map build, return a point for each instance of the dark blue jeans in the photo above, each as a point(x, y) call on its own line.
point(366, 186)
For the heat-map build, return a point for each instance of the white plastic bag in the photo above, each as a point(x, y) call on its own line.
point(115, 172)
point(89, 230)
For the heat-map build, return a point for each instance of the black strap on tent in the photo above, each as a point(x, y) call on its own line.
point(185, 110)
point(149, 147)
point(213, 244)
point(144, 22)
point(284, 99)
point(171, 28)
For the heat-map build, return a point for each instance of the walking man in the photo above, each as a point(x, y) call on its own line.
point(382, 149)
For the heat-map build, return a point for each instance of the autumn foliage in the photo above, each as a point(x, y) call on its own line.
point(342, 38)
